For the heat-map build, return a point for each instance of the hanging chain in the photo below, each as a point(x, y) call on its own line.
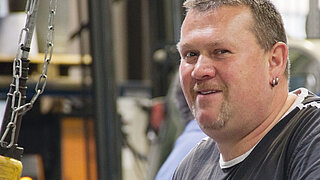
point(42, 81)
point(16, 106)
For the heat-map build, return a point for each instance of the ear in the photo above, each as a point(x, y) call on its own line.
point(278, 60)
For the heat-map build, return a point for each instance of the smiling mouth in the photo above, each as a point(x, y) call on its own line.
point(208, 92)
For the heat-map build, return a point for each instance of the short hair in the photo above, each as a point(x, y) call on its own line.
point(267, 26)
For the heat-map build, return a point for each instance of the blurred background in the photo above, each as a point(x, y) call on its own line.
point(108, 110)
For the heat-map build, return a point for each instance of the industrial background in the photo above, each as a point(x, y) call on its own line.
point(107, 110)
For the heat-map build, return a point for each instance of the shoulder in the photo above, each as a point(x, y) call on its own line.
point(308, 115)
point(199, 152)
point(194, 162)
point(305, 123)
point(305, 159)
point(307, 99)
point(305, 141)
point(306, 111)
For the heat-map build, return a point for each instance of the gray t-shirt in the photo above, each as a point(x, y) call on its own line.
point(290, 150)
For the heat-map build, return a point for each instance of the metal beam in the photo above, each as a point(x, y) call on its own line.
point(108, 136)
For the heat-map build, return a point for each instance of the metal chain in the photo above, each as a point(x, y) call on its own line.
point(17, 109)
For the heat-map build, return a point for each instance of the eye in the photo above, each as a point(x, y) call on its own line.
point(221, 51)
point(190, 56)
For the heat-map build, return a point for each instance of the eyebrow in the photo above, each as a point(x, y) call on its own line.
point(189, 46)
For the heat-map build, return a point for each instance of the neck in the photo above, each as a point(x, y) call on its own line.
point(231, 150)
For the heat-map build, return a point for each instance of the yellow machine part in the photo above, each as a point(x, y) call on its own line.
point(10, 169)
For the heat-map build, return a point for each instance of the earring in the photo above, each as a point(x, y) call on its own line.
point(275, 81)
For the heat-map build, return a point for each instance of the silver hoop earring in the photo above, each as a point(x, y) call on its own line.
point(275, 81)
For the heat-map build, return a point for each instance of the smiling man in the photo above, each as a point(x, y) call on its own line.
point(234, 73)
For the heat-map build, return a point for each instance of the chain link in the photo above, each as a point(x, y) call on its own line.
point(30, 6)
point(16, 106)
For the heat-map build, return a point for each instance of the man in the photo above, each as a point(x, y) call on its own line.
point(234, 73)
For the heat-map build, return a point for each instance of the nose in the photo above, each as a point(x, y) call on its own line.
point(204, 68)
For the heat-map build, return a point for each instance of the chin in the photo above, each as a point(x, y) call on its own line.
point(215, 125)
point(209, 122)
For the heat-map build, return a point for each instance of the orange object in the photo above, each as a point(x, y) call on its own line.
point(78, 149)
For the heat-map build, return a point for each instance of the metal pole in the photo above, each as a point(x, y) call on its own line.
point(313, 22)
point(177, 19)
point(108, 137)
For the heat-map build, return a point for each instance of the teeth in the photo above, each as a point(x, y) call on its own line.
point(207, 92)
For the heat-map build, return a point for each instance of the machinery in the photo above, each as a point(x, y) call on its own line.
point(305, 64)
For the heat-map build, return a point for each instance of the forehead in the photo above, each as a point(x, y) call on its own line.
point(222, 21)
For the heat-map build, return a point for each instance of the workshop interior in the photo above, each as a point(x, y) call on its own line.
point(89, 96)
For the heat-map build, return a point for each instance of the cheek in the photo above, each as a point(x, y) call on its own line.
point(249, 83)
point(185, 71)
point(186, 80)
point(244, 78)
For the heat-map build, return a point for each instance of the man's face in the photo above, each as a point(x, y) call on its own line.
point(224, 72)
